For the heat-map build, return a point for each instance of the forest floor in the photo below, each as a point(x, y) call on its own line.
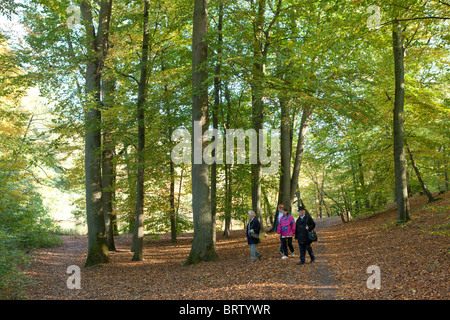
point(414, 260)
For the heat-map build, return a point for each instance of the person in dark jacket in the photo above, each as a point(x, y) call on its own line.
point(253, 229)
point(304, 224)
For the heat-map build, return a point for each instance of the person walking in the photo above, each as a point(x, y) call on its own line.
point(286, 230)
point(253, 229)
point(278, 216)
point(304, 224)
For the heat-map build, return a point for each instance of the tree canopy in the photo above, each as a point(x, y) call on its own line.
point(349, 85)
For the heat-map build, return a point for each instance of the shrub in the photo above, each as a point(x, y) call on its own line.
point(24, 225)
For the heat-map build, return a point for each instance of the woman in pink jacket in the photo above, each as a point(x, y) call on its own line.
point(286, 229)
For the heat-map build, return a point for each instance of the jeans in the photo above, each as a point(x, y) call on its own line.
point(254, 251)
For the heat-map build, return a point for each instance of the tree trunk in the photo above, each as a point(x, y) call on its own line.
point(131, 196)
point(96, 52)
point(355, 190)
point(321, 201)
point(172, 212)
point(268, 207)
point(228, 200)
point(179, 195)
point(261, 44)
point(203, 245)
point(173, 217)
point(215, 112)
point(258, 74)
point(285, 139)
point(419, 177)
point(256, 169)
point(363, 184)
point(445, 168)
point(299, 152)
point(401, 191)
point(108, 172)
point(228, 173)
point(139, 224)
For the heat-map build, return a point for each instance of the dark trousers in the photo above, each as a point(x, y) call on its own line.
point(303, 248)
point(285, 242)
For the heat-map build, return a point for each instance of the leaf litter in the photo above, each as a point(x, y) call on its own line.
point(413, 261)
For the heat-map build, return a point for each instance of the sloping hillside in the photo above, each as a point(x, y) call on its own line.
point(413, 259)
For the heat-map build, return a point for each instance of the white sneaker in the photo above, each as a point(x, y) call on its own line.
point(293, 255)
point(284, 257)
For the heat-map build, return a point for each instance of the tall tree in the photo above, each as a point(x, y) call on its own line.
point(170, 127)
point(203, 245)
point(228, 171)
point(108, 168)
point(96, 52)
point(215, 112)
point(285, 155)
point(401, 190)
point(261, 44)
point(138, 236)
point(304, 123)
point(428, 11)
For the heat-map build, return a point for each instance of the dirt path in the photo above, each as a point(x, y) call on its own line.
point(326, 284)
point(414, 261)
point(162, 275)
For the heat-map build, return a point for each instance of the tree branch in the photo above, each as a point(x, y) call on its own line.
point(122, 74)
point(411, 19)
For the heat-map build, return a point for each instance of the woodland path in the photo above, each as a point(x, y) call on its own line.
point(327, 285)
point(414, 260)
point(162, 276)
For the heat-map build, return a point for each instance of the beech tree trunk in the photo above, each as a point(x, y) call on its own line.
point(299, 152)
point(228, 173)
point(258, 73)
point(215, 112)
point(138, 239)
point(261, 45)
point(286, 147)
point(172, 211)
point(203, 245)
point(401, 190)
point(108, 172)
point(96, 52)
